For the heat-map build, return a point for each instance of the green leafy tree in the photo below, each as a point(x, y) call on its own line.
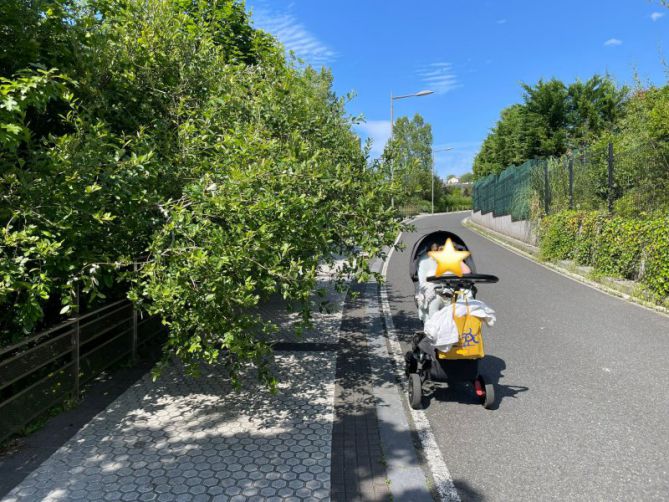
point(552, 119)
point(175, 134)
point(409, 155)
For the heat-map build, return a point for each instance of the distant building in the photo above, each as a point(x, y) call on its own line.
point(454, 180)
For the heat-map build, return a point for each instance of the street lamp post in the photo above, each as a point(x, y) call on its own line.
point(392, 102)
point(433, 152)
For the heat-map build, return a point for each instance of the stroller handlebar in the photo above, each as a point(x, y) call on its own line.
point(466, 279)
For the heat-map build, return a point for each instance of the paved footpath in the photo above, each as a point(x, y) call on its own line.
point(184, 438)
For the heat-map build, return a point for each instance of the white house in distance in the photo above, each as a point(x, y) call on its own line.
point(453, 180)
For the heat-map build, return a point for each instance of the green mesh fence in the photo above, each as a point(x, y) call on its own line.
point(507, 192)
point(630, 180)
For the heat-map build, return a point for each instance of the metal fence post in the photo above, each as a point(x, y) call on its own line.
point(546, 189)
point(76, 345)
point(133, 349)
point(571, 182)
point(610, 191)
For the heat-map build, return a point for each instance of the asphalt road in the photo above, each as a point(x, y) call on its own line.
point(582, 386)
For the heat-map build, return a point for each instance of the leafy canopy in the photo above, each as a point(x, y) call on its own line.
point(553, 118)
point(174, 134)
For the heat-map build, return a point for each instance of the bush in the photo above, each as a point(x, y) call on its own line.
point(655, 270)
point(629, 248)
point(558, 234)
point(454, 198)
point(179, 136)
point(585, 247)
point(618, 247)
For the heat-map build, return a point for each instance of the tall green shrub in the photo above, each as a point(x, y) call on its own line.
point(558, 234)
point(631, 248)
point(618, 247)
point(176, 134)
point(655, 273)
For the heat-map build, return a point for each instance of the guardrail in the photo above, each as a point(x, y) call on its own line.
point(410, 210)
point(50, 367)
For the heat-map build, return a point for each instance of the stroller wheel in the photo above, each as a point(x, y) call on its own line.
point(415, 391)
point(485, 392)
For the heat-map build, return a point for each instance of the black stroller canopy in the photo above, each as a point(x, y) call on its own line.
point(439, 237)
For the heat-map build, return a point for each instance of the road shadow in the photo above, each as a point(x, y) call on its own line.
point(467, 492)
point(491, 368)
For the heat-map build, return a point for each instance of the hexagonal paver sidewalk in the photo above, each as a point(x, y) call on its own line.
point(182, 438)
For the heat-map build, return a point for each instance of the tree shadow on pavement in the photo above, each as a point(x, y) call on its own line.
point(196, 438)
point(468, 493)
point(184, 437)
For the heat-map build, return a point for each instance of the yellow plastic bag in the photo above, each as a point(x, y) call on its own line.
point(470, 343)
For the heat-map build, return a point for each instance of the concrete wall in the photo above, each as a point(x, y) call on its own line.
point(521, 230)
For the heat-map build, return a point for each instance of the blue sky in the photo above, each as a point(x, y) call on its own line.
point(473, 54)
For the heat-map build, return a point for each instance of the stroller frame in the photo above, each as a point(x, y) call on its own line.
point(421, 366)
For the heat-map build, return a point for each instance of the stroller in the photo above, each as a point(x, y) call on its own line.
point(461, 363)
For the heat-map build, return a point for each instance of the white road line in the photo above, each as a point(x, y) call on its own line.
point(440, 473)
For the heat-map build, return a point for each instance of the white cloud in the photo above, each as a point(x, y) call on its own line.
point(294, 36)
point(378, 131)
point(439, 77)
point(656, 15)
point(613, 42)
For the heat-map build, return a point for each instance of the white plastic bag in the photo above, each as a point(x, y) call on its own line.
point(441, 330)
point(477, 309)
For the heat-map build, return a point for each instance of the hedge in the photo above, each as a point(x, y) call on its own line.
point(630, 248)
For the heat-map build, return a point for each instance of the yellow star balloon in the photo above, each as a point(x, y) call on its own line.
point(449, 259)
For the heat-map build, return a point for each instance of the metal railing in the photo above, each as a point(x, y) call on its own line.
point(409, 210)
point(50, 367)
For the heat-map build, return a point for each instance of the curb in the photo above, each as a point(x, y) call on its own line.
point(406, 478)
point(510, 244)
point(409, 219)
point(441, 480)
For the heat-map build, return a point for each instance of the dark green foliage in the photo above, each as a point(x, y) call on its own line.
point(558, 235)
point(640, 181)
point(552, 119)
point(409, 156)
point(452, 198)
point(618, 247)
point(630, 248)
point(175, 134)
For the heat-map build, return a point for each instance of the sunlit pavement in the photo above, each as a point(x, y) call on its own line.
point(184, 438)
